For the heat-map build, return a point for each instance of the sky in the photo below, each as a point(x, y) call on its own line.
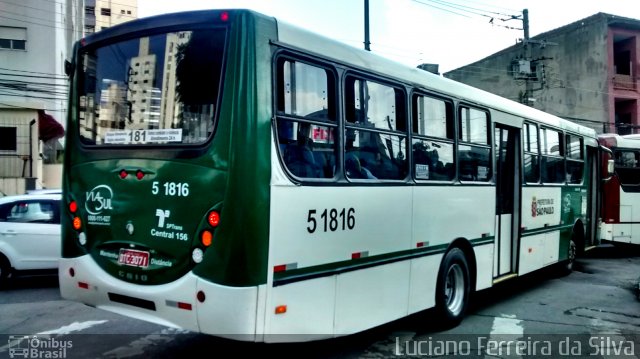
point(450, 33)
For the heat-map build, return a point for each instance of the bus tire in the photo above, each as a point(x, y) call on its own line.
point(5, 269)
point(566, 267)
point(453, 288)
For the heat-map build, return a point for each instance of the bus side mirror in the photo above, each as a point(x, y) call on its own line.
point(608, 164)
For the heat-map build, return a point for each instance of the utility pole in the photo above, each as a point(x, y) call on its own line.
point(527, 55)
point(366, 26)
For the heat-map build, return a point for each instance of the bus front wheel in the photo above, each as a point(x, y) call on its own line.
point(453, 288)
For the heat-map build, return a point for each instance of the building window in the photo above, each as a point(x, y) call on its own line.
point(13, 38)
point(8, 136)
point(105, 11)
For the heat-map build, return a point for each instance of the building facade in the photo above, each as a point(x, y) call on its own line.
point(101, 14)
point(36, 37)
point(586, 72)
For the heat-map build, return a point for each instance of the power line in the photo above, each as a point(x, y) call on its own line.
point(30, 96)
point(29, 72)
point(439, 8)
point(479, 3)
point(110, 2)
point(465, 9)
point(36, 23)
point(44, 84)
point(34, 76)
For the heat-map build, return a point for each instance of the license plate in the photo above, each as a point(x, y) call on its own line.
point(134, 258)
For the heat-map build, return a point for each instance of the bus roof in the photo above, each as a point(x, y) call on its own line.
point(615, 140)
point(294, 36)
point(300, 38)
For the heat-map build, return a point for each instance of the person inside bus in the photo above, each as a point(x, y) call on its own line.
point(354, 166)
point(298, 156)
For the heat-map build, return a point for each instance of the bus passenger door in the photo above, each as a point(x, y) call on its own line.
point(508, 164)
point(593, 206)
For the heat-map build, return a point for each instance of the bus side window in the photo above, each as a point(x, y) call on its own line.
point(305, 119)
point(552, 164)
point(433, 156)
point(372, 111)
point(474, 152)
point(575, 159)
point(531, 154)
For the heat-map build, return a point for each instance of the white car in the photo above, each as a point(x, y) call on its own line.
point(29, 233)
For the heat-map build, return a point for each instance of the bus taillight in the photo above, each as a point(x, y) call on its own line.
point(214, 218)
point(123, 174)
point(207, 238)
point(139, 174)
point(73, 206)
point(224, 16)
point(77, 223)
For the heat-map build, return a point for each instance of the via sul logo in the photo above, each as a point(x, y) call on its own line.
point(534, 207)
point(162, 214)
point(99, 199)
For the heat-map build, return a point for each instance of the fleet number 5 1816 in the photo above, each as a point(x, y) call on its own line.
point(331, 220)
point(170, 188)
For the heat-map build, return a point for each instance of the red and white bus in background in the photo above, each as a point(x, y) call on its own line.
point(621, 192)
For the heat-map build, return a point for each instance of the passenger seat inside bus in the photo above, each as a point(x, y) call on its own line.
point(301, 161)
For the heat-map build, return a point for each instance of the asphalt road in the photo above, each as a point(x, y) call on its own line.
point(593, 312)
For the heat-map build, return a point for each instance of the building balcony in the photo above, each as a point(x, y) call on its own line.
point(624, 82)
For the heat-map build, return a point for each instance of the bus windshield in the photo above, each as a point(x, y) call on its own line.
point(148, 91)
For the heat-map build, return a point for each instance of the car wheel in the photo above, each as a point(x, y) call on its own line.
point(5, 269)
point(453, 288)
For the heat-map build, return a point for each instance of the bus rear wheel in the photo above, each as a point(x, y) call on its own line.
point(566, 267)
point(453, 288)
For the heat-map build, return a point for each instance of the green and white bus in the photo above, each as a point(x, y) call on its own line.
point(231, 174)
point(621, 192)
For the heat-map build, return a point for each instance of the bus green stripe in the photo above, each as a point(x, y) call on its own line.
point(533, 232)
point(328, 269)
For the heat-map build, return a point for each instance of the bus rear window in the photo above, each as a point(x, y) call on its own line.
point(148, 91)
